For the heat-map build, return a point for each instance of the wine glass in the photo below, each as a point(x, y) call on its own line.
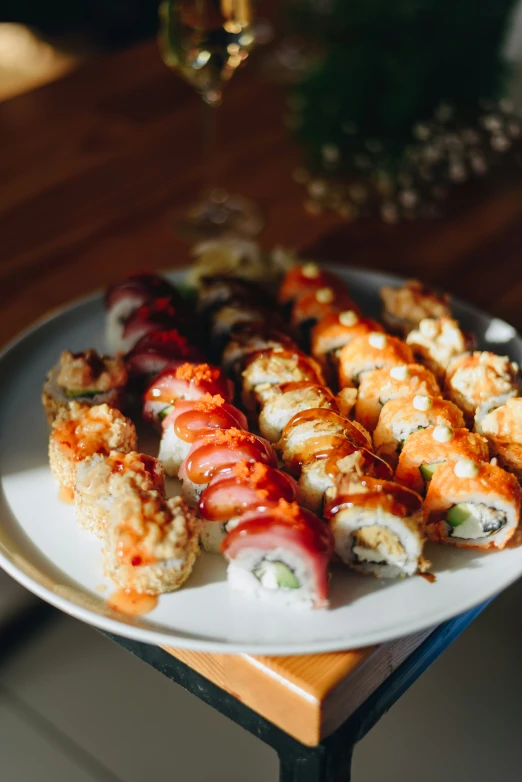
point(206, 41)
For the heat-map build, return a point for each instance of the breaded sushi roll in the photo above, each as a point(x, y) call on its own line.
point(217, 451)
point(221, 289)
point(479, 378)
point(273, 367)
point(303, 279)
point(334, 331)
point(287, 399)
point(377, 527)
point(99, 479)
point(246, 486)
point(188, 421)
point(320, 473)
point(381, 385)
point(502, 428)
point(311, 307)
point(247, 339)
point(401, 417)
point(316, 430)
point(151, 543)
point(346, 400)
point(157, 351)
point(87, 378)
point(83, 431)
point(405, 306)
point(186, 381)
point(368, 352)
point(472, 504)
point(424, 452)
point(281, 554)
point(436, 341)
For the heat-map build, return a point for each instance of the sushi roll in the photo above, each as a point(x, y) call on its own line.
point(100, 478)
point(303, 279)
point(217, 451)
point(401, 417)
point(346, 400)
point(368, 352)
point(479, 378)
point(280, 554)
point(244, 487)
point(377, 527)
point(219, 290)
point(226, 319)
point(405, 306)
point(320, 473)
point(502, 428)
point(159, 315)
point(82, 431)
point(157, 351)
point(313, 431)
point(188, 421)
point(87, 378)
point(287, 399)
point(472, 504)
point(335, 330)
point(151, 543)
point(381, 385)
point(273, 367)
point(436, 341)
point(311, 307)
point(424, 452)
point(186, 381)
point(247, 339)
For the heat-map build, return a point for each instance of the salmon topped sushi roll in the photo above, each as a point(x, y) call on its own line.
point(159, 315)
point(334, 331)
point(381, 385)
point(472, 504)
point(313, 306)
point(481, 381)
point(401, 417)
point(436, 341)
point(368, 352)
point(406, 305)
point(87, 378)
point(82, 431)
point(287, 399)
point(502, 428)
point(306, 278)
point(424, 452)
point(273, 367)
point(151, 543)
point(247, 339)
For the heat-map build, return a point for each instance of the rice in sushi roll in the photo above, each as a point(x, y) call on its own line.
point(280, 554)
point(368, 352)
point(287, 399)
point(502, 428)
point(405, 306)
point(273, 367)
point(436, 341)
point(472, 505)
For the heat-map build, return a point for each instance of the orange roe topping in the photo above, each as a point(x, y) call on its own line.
point(231, 437)
point(208, 403)
point(198, 373)
point(255, 473)
point(290, 510)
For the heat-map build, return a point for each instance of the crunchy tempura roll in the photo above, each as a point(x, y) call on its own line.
point(303, 279)
point(481, 377)
point(280, 554)
point(246, 339)
point(273, 367)
point(87, 378)
point(333, 332)
point(405, 306)
point(368, 352)
point(287, 399)
point(100, 478)
point(473, 505)
point(424, 452)
point(83, 431)
point(378, 527)
point(502, 428)
point(381, 385)
point(436, 341)
point(401, 417)
point(151, 543)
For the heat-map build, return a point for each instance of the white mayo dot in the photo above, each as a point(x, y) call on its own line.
point(324, 295)
point(377, 340)
point(348, 318)
point(443, 433)
point(156, 392)
point(310, 270)
point(421, 402)
point(400, 373)
point(466, 468)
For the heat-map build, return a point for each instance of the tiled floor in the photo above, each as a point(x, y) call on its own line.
point(76, 708)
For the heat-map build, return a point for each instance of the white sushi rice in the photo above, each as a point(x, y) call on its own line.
point(191, 492)
point(279, 408)
point(115, 324)
point(212, 534)
point(313, 482)
point(172, 451)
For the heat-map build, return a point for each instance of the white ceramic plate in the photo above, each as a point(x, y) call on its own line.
point(42, 547)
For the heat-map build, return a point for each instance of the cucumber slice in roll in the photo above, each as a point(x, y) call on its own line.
point(458, 514)
point(428, 470)
point(273, 574)
point(87, 393)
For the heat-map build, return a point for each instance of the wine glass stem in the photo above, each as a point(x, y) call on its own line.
point(210, 144)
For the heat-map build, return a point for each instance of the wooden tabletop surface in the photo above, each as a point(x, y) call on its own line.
point(94, 167)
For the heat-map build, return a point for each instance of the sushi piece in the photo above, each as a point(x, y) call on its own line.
point(368, 352)
point(473, 505)
point(87, 378)
point(320, 473)
point(151, 543)
point(99, 479)
point(306, 278)
point(157, 351)
point(186, 381)
point(280, 554)
point(381, 385)
point(424, 452)
point(311, 307)
point(188, 421)
point(82, 431)
point(221, 289)
point(159, 315)
point(244, 487)
point(377, 527)
point(401, 417)
point(226, 319)
point(273, 367)
point(313, 431)
point(502, 428)
point(405, 306)
point(246, 339)
point(479, 378)
point(436, 341)
point(217, 451)
point(244, 258)
point(287, 399)
point(335, 330)
point(346, 400)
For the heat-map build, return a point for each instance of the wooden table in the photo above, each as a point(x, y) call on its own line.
point(92, 170)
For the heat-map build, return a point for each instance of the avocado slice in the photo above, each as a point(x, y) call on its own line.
point(458, 514)
point(428, 470)
point(164, 413)
point(84, 393)
point(285, 577)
